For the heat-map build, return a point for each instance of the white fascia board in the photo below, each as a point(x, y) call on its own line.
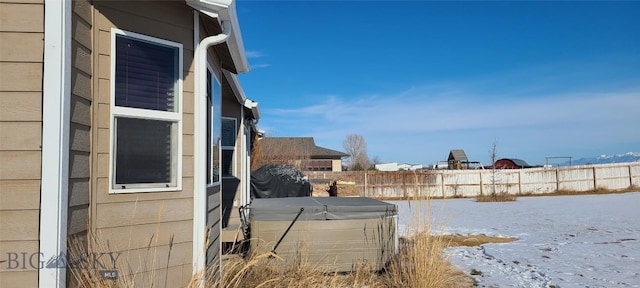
point(225, 10)
point(235, 86)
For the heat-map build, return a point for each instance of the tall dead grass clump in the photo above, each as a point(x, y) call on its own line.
point(420, 261)
point(92, 261)
point(269, 270)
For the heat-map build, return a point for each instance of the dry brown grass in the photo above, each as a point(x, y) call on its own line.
point(419, 263)
point(260, 271)
point(496, 197)
point(474, 240)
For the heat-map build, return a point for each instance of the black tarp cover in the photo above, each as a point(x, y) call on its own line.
point(279, 181)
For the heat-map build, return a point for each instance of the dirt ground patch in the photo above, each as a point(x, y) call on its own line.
point(474, 239)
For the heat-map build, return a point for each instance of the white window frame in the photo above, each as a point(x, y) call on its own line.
point(138, 113)
point(216, 78)
point(232, 148)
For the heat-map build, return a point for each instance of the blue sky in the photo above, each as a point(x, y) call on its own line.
point(419, 78)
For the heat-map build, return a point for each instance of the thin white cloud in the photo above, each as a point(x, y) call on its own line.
point(253, 54)
point(262, 65)
point(565, 111)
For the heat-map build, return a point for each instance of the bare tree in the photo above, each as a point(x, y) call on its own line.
point(286, 152)
point(356, 147)
point(375, 160)
point(493, 153)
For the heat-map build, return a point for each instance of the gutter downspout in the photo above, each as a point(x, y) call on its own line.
point(199, 178)
point(54, 187)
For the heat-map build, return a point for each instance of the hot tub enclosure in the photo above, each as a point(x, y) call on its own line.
point(333, 234)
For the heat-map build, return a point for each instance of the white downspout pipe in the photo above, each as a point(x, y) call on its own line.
point(200, 125)
point(56, 95)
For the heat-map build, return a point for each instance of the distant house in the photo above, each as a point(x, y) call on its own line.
point(394, 166)
point(304, 152)
point(458, 159)
point(513, 163)
point(122, 120)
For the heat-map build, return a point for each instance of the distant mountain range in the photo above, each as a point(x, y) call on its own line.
point(606, 159)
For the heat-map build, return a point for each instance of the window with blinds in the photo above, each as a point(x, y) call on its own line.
point(146, 117)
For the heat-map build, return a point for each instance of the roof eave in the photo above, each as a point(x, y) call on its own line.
point(225, 10)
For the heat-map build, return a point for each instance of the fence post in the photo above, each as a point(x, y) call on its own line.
point(595, 182)
point(630, 177)
point(365, 183)
point(442, 183)
point(557, 179)
point(520, 181)
point(481, 183)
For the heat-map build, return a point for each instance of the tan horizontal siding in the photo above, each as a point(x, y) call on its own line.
point(13, 252)
point(187, 120)
point(20, 106)
point(20, 77)
point(21, 57)
point(154, 230)
point(130, 16)
point(143, 212)
point(175, 276)
point(18, 279)
point(19, 194)
point(12, 17)
point(187, 102)
point(139, 236)
point(20, 136)
point(15, 47)
point(15, 225)
point(15, 165)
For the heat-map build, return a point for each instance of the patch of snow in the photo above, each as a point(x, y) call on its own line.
point(563, 241)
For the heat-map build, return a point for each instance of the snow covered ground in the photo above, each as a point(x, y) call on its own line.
point(563, 241)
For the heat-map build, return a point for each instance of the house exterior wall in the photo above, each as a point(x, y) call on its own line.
point(80, 118)
point(214, 193)
point(231, 188)
point(155, 229)
point(336, 165)
point(505, 164)
point(21, 64)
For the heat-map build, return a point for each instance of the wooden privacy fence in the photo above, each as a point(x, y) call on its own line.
point(471, 183)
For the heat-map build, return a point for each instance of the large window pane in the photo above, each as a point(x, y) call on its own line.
point(213, 128)
point(144, 151)
point(227, 163)
point(146, 74)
